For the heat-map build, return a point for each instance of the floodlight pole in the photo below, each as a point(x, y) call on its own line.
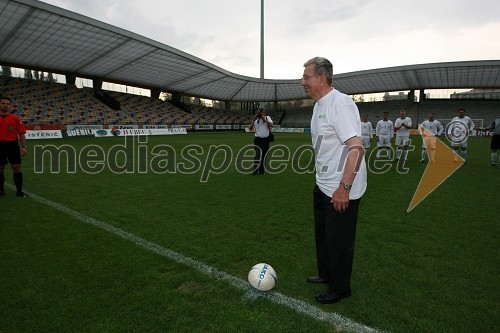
point(261, 39)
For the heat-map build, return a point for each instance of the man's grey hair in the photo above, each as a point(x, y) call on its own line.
point(322, 66)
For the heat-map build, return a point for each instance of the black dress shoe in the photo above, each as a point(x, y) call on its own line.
point(316, 279)
point(328, 298)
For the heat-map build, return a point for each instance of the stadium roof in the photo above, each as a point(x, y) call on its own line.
point(39, 36)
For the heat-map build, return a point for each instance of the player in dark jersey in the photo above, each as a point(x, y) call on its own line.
point(11, 131)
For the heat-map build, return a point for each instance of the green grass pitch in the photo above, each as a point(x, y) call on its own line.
point(435, 269)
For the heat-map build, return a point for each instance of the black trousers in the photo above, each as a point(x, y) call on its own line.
point(261, 146)
point(334, 235)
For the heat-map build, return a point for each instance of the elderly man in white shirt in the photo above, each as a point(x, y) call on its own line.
point(340, 178)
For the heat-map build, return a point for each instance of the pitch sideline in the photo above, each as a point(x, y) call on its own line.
point(298, 306)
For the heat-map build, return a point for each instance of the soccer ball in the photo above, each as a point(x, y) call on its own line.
point(262, 277)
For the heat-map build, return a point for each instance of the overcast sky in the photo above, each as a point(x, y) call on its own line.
point(354, 34)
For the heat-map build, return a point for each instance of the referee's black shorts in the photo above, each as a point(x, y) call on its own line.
point(10, 152)
point(495, 142)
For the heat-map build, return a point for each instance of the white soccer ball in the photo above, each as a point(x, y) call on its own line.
point(262, 277)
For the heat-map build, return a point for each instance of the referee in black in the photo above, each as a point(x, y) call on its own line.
point(11, 131)
point(262, 125)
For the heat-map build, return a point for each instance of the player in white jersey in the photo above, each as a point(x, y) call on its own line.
point(366, 131)
point(385, 132)
point(429, 129)
point(402, 127)
point(458, 130)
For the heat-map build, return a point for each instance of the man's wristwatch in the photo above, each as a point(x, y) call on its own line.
point(346, 186)
point(24, 147)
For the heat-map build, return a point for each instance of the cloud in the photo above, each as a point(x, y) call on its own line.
point(355, 35)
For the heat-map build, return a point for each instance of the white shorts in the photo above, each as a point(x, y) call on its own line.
point(462, 144)
point(366, 141)
point(384, 140)
point(402, 140)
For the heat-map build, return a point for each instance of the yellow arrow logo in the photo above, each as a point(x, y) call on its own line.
point(443, 162)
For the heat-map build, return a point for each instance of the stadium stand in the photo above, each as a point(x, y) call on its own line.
point(444, 109)
point(45, 103)
point(143, 110)
point(297, 117)
point(206, 115)
point(488, 110)
point(42, 103)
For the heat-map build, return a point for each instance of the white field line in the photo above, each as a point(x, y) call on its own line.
point(337, 320)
